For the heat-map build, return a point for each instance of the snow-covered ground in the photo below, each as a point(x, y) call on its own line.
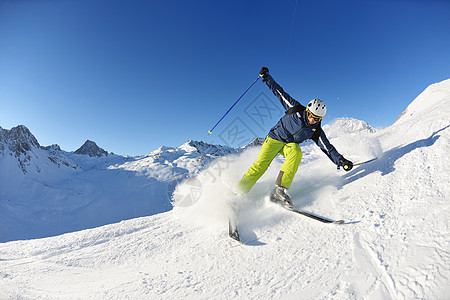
point(395, 243)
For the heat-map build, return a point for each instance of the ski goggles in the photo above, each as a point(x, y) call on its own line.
point(312, 116)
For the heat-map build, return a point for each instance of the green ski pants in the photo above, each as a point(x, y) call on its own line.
point(270, 149)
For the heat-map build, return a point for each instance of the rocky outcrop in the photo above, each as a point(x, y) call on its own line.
point(90, 148)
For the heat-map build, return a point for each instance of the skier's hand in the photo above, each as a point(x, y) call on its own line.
point(264, 72)
point(345, 163)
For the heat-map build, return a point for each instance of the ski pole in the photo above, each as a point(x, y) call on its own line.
point(365, 162)
point(210, 132)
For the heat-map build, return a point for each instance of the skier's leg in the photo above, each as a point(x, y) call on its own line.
point(269, 150)
point(293, 155)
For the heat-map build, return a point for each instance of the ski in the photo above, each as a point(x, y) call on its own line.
point(232, 225)
point(233, 230)
point(313, 216)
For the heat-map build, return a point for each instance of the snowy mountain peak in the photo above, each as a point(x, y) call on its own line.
point(18, 140)
point(256, 142)
point(192, 145)
point(52, 148)
point(218, 150)
point(20, 148)
point(354, 125)
point(205, 148)
point(343, 126)
point(90, 148)
point(428, 101)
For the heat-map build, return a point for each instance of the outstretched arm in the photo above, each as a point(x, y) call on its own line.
point(332, 153)
point(325, 145)
point(285, 99)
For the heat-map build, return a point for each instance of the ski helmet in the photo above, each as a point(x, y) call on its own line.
point(317, 107)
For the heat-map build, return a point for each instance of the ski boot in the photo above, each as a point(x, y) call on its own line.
point(279, 195)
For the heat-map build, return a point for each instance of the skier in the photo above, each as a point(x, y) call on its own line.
point(297, 125)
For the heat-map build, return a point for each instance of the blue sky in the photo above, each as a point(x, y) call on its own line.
point(135, 75)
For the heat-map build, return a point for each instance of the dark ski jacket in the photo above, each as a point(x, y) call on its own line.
point(295, 128)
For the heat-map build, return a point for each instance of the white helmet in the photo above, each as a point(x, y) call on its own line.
point(317, 107)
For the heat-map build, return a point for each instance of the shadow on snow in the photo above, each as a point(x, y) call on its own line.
point(386, 163)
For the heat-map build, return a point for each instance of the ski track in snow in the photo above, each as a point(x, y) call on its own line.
point(394, 245)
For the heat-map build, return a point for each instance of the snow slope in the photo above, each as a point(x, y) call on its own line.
point(394, 245)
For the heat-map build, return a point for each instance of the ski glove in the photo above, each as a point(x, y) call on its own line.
point(264, 72)
point(346, 164)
